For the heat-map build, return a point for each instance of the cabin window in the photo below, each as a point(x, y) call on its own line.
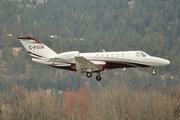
point(107, 55)
point(112, 55)
point(117, 55)
point(138, 54)
point(102, 55)
point(128, 54)
point(97, 55)
point(122, 55)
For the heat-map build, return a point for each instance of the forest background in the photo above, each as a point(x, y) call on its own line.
point(152, 26)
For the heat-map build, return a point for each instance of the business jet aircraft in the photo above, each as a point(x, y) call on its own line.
point(88, 63)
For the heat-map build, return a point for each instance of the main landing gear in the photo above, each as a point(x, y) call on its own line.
point(98, 77)
point(89, 74)
point(153, 71)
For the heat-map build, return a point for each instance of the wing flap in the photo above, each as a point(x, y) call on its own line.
point(84, 65)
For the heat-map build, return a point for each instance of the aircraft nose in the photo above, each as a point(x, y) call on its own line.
point(164, 62)
point(160, 61)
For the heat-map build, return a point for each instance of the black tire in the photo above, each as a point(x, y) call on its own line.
point(89, 74)
point(98, 78)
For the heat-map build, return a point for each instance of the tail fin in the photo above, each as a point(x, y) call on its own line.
point(35, 47)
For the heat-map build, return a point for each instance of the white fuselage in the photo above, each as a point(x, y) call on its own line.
point(107, 60)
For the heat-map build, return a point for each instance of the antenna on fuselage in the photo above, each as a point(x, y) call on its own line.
point(102, 50)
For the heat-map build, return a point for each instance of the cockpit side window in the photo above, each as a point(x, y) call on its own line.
point(138, 54)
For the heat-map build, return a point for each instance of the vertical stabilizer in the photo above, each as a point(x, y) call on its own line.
point(36, 48)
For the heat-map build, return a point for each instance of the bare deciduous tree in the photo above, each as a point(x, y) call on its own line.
point(76, 105)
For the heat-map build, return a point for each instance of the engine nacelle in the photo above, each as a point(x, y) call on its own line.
point(67, 55)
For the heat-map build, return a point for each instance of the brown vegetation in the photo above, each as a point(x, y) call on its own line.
point(24, 105)
point(76, 105)
point(118, 103)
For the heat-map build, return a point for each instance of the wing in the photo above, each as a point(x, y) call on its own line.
point(84, 65)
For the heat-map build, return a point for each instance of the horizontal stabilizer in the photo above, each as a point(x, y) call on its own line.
point(62, 65)
point(46, 62)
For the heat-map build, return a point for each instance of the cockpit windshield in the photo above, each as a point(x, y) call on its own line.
point(144, 54)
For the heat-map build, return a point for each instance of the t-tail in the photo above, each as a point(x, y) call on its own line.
point(35, 47)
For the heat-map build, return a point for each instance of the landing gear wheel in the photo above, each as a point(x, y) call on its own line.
point(88, 74)
point(98, 78)
point(153, 71)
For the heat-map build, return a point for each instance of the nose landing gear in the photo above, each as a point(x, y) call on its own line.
point(153, 71)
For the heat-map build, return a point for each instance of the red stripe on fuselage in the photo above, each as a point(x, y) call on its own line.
point(108, 65)
point(70, 68)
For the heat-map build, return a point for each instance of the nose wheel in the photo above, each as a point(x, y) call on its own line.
point(153, 71)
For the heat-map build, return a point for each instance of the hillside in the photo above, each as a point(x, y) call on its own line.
point(151, 26)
